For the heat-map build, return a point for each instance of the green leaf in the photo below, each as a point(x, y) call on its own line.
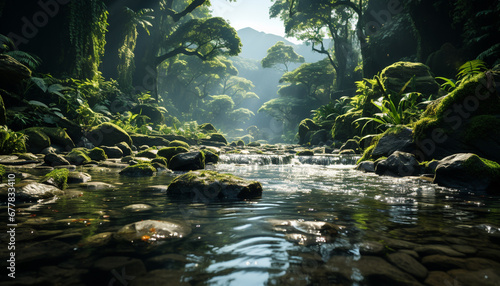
point(37, 103)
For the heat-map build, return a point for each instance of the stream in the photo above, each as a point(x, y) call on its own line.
point(319, 222)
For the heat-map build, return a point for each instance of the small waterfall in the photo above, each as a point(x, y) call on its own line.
point(256, 159)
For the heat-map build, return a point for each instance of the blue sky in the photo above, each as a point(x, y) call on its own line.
point(248, 13)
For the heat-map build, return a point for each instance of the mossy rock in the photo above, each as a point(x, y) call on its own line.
point(3, 171)
point(254, 144)
point(58, 136)
point(210, 156)
point(217, 137)
point(468, 172)
point(187, 161)
point(207, 128)
point(367, 154)
point(307, 125)
point(395, 76)
point(240, 143)
point(108, 134)
point(160, 160)
point(37, 139)
point(57, 178)
point(207, 186)
point(344, 128)
point(170, 152)
point(126, 150)
point(97, 154)
point(139, 170)
point(140, 139)
point(305, 153)
point(148, 153)
point(178, 143)
point(78, 156)
point(466, 120)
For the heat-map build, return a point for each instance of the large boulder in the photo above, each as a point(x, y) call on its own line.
point(108, 134)
point(78, 156)
point(12, 73)
point(54, 160)
point(351, 144)
point(398, 164)
point(395, 76)
point(464, 121)
point(36, 191)
point(36, 140)
point(206, 186)
point(58, 136)
point(468, 171)
point(207, 128)
point(187, 161)
point(215, 139)
point(399, 140)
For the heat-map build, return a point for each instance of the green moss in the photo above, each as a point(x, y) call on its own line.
point(78, 156)
point(345, 128)
point(217, 137)
point(58, 136)
point(161, 160)
point(481, 127)
point(26, 156)
point(481, 167)
point(253, 144)
point(434, 115)
point(36, 140)
point(139, 170)
point(97, 154)
point(367, 154)
point(57, 177)
point(178, 143)
point(234, 152)
point(2, 172)
point(259, 152)
point(147, 153)
point(209, 175)
point(207, 128)
point(305, 153)
point(210, 156)
point(380, 159)
point(240, 143)
point(170, 152)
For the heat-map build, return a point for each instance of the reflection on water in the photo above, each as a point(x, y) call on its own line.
point(307, 215)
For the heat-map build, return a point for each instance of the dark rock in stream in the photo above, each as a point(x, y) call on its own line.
point(398, 164)
point(44, 252)
point(103, 270)
point(392, 142)
point(78, 177)
point(366, 166)
point(160, 276)
point(126, 149)
point(112, 152)
point(206, 186)
point(97, 186)
point(468, 171)
point(53, 160)
point(187, 161)
point(485, 277)
point(139, 170)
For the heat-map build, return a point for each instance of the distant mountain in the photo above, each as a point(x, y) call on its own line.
point(256, 44)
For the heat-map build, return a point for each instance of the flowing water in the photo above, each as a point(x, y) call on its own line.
point(311, 210)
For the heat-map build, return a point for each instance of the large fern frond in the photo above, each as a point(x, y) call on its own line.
point(27, 59)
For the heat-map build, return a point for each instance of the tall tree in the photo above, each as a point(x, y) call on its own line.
point(281, 55)
point(308, 20)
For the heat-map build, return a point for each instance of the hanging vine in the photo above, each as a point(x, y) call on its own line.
point(87, 29)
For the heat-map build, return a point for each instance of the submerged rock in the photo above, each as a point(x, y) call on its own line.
point(152, 230)
point(187, 161)
point(78, 177)
point(36, 191)
point(366, 166)
point(208, 186)
point(138, 208)
point(170, 152)
point(468, 172)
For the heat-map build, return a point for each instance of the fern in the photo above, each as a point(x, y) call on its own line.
point(470, 69)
